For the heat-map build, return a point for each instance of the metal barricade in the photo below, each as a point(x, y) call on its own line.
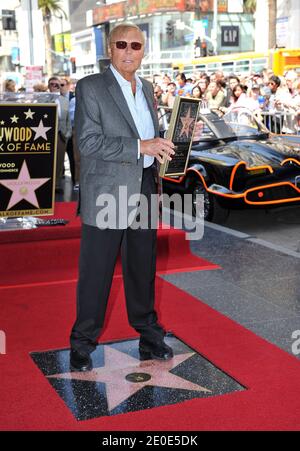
point(282, 122)
point(278, 122)
point(164, 114)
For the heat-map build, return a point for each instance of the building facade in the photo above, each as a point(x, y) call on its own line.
point(176, 30)
point(9, 41)
point(288, 18)
point(171, 28)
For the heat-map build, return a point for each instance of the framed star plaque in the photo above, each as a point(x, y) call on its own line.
point(27, 159)
point(181, 131)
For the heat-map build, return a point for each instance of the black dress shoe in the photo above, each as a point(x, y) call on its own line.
point(80, 362)
point(159, 351)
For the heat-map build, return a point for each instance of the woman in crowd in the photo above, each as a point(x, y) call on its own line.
point(196, 92)
point(9, 85)
point(242, 100)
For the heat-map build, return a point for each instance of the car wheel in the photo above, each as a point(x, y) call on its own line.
point(213, 211)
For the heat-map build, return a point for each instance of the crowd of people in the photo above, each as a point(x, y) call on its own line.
point(258, 92)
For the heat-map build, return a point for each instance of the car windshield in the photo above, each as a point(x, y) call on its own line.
point(244, 123)
point(237, 123)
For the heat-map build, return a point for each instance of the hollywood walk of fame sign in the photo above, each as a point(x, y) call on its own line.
point(181, 131)
point(27, 159)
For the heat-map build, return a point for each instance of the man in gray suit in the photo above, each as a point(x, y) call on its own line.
point(64, 129)
point(117, 133)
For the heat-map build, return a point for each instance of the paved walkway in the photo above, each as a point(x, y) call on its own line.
point(258, 285)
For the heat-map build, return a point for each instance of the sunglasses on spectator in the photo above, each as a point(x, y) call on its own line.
point(122, 45)
point(54, 85)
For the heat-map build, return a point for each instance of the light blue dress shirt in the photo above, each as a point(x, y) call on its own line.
point(139, 110)
point(72, 106)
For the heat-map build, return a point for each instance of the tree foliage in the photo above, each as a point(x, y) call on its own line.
point(50, 8)
point(250, 6)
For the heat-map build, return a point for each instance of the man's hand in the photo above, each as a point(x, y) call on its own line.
point(160, 148)
point(198, 130)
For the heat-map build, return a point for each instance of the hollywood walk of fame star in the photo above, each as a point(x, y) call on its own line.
point(23, 187)
point(41, 130)
point(124, 375)
point(186, 123)
point(29, 114)
point(14, 119)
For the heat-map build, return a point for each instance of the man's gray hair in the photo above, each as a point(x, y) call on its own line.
point(123, 28)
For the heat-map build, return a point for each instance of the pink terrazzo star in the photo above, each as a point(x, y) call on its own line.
point(121, 368)
point(23, 187)
point(186, 124)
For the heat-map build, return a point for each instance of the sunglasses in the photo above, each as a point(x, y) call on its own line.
point(62, 85)
point(54, 85)
point(122, 45)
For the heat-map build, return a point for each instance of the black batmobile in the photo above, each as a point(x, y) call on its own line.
point(235, 162)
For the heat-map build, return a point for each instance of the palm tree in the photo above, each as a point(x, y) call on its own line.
point(48, 9)
point(250, 6)
point(272, 6)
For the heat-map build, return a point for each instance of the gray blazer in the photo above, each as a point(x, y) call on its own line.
point(107, 141)
point(64, 121)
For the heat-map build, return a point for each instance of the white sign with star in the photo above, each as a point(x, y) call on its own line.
point(29, 114)
point(14, 119)
point(40, 131)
